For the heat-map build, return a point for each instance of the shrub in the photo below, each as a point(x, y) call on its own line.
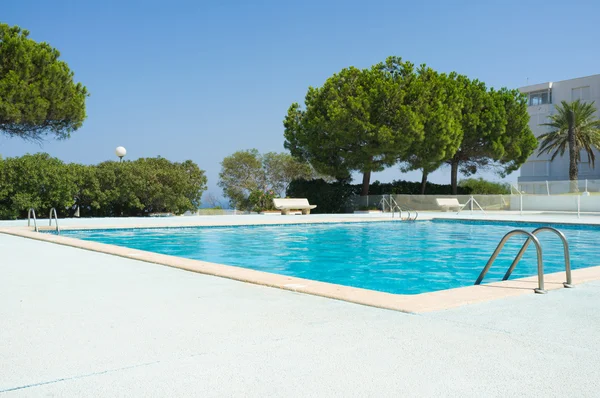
point(334, 197)
point(480, 186)
point(261, 200)
point(401, 187)
point(37, 181)
point(366, 208)
point(249, 172)
point(110, 189)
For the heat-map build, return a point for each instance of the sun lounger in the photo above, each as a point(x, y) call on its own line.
point(449, 203)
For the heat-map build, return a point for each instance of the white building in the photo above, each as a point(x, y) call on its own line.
point(539, 174)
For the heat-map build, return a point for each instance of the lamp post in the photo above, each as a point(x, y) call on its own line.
point(120, 151)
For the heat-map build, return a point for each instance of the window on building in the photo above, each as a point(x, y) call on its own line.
point(540, 97)
point(580, 93)
point(536, 168)
point(526, 169)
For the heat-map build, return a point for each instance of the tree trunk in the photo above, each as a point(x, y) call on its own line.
point(572, 162)
point(454, 176)
point(424, 182)
point(365, 183)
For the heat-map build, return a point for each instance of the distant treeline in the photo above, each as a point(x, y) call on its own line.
point(108, 189)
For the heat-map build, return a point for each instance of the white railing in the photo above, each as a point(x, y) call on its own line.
point(428, 202)
point(518, 201)
point(548, 187)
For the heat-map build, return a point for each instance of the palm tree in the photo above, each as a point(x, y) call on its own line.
point(574, 126)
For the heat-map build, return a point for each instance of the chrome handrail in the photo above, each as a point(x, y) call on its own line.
point(53, 210)
point(399, 211)
point(393, 205)
point(399, 208)
point(540, 261)
point(29, 212)
point(403, 208)
point(569, 282)
point(410, 209)
point(383, 202)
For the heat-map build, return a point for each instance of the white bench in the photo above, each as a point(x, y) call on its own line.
point(285, 205)
point(449, 203)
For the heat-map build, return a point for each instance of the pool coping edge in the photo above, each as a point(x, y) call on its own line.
point(417, 303)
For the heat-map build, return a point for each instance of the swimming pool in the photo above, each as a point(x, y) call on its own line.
point(393, 257)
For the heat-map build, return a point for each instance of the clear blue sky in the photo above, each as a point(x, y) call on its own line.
point(199, 80)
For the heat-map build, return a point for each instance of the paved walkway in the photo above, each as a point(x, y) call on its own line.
point(76, 323)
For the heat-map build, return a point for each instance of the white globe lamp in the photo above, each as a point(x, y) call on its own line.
point(121, 151)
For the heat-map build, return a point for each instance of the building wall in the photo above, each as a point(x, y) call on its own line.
point(540, 168)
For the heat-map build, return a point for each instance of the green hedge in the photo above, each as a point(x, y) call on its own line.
point(482, 187)
point(401, 187)
point(336, 197)
point(330, 197)
point(109, 189)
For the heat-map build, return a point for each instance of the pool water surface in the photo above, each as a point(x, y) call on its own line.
point(393, 257)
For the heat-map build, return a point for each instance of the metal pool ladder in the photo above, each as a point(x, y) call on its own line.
point(408, 210)
point(53, 211)
point(29, 213)
point(540, 263)
point(393, 206)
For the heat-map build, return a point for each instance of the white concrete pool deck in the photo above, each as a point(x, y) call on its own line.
point(79, 323)
point(76, 323)
point(420, 303)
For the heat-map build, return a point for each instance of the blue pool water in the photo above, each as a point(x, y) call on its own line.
point(394, 257)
